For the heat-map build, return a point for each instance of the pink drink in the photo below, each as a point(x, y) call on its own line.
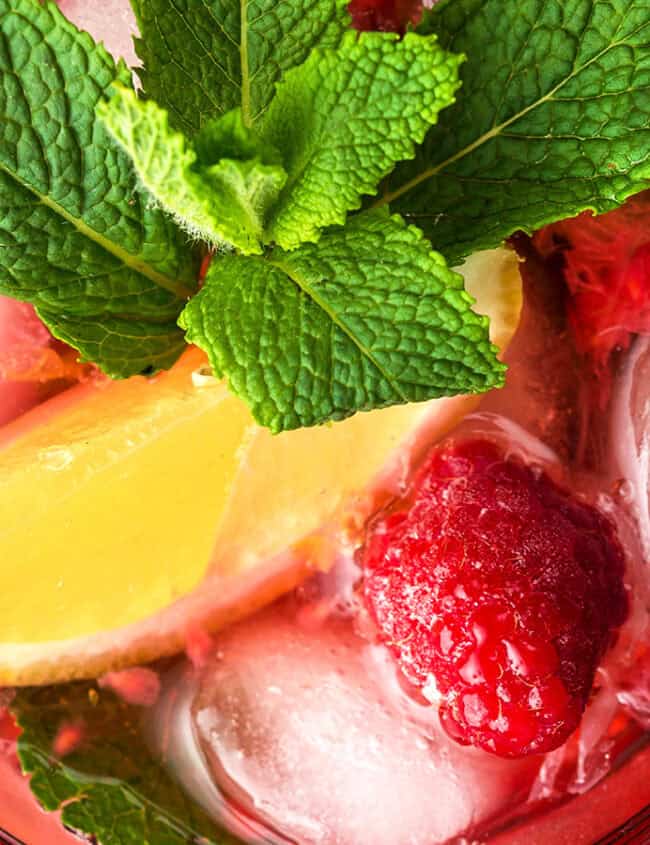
point(296, 727)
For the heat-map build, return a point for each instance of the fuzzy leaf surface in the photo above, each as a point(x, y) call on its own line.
point(222, 201)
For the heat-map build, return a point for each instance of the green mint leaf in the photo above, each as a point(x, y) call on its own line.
point(366, 318)
point(205, 57)
point(111, 788)
point(344, 118)
point(122, 347)
point(219, 200)
point(107, 273)
point(554, 118)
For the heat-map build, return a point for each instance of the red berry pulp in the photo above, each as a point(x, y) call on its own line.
point(385, 15)
point(498, 592)
point(606, 266)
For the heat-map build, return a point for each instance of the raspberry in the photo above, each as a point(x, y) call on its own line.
point(385, 15)
point(606, 267)
point(499, 592)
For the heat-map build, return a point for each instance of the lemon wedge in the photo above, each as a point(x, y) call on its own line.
point(133, 509)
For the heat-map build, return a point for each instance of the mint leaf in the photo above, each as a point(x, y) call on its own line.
point(106, 272)
point(219, 200)
point(122, 347)
point(112, 787)
point(366, 318)
point(204, 57)
point(345, 117)
point(554, 118)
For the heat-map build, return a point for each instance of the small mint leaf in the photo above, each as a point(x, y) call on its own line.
point(105, 271)
point(220, 201)
point(203, 58)
point(111, 788)
point(366, 318)
point(554, 118)
point(344, 118)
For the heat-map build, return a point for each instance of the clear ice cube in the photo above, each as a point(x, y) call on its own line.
point(308, 730)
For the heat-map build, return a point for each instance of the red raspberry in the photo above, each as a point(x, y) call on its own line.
point(385, 15)
point(606, 265)
point(498, 589)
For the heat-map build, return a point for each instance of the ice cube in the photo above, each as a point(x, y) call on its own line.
point(111, 21)
point(309, 731)
point(630, 435)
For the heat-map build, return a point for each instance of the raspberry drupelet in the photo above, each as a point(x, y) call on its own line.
point(498, 592)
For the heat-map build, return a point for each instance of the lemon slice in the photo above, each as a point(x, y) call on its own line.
point(132, 509)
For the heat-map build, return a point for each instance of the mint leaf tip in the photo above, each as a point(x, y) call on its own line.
point(344, 118)
point(221, 201)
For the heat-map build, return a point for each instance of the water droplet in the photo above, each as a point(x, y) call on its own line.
point(605, 502)
point(623, 489)
point(430, 690)
point(56, 458)
point(472, 671)
point(203, 377)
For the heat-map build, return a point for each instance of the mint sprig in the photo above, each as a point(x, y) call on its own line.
point(264, 125)
point(554, 118)
point(107, 272)
point(112, 788)
point(391, 331)
point(338, 123)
